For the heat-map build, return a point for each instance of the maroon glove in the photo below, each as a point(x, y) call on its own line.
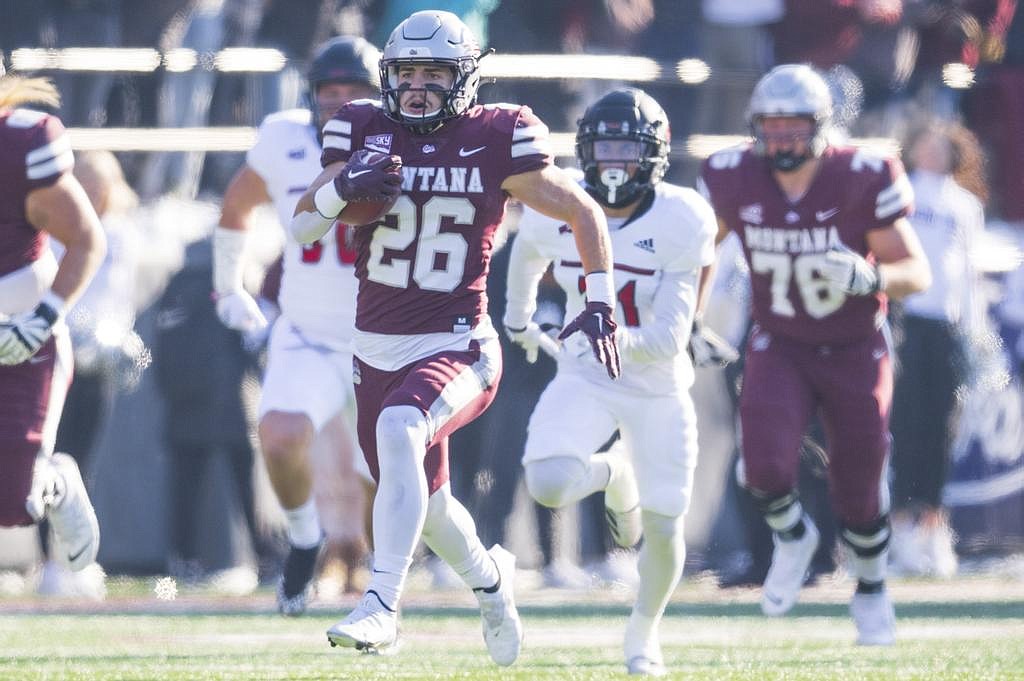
point(370, 176)
point(597, 325)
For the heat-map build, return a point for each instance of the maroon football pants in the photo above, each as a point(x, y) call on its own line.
point(31, 398)
point(784, 383)
point(452, 388)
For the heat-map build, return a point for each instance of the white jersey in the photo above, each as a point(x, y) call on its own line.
point(657, 260)
point(948, 219)
point(318, 287)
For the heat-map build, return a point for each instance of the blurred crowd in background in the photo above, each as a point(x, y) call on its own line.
point(165, 436)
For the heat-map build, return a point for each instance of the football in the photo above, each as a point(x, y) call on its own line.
point(357, 213)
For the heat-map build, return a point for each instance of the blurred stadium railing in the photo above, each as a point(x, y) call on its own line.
point(689, 72)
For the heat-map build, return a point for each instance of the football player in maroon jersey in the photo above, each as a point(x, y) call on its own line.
point(40, 198)
point(427, 357)
point(824, 230)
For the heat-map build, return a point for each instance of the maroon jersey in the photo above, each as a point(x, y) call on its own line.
point(423, 268)
point(34, 152)
point(785, 242)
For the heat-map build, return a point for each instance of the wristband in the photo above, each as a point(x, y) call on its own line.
point(327, 201)
point(51, 307)
point(600, 289)
point(228, 268)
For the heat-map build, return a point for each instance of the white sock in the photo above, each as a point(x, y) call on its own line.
point(400, 507)
point(620, 493)
point(304, 530)
point(450, 532)
point(661, 562)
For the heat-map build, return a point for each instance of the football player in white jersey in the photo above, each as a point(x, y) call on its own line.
point(662, 240)
point(308, 379)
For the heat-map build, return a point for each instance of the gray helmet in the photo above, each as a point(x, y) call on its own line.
point(438, 38)
point(791, 90)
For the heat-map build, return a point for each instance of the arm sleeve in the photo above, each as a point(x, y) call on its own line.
point(526, 266)
point(667, 335)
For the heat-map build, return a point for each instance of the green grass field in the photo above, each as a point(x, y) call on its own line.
point(972, 628)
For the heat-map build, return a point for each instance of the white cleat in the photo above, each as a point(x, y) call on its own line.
point(297, 585)
point(875, 619)
point(643, 652)
point(503, 630)
point(57, 580)
point(370, 628)
point(645, 666)
point(790, 562)
point(58, 494)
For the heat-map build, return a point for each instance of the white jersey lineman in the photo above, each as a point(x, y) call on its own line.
point(310, 355)
point(658, 256)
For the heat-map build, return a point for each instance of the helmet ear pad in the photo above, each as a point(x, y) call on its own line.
point(625, 114)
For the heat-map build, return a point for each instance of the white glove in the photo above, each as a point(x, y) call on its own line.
point(21, 336)
point(531, 339)
point(708, 349)
point(850, 272)
point(235, 307)
point(238, 310)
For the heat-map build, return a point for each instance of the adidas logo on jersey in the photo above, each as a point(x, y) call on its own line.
point(645, 245)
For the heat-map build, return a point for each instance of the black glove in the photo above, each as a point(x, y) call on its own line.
point(597, 325)
point(370, 176)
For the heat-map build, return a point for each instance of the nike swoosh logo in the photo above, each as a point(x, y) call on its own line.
point(73, 556)
point(38, 359)
point(469, 152)
point(352, 174)
point(823, 215)
point(775, 600)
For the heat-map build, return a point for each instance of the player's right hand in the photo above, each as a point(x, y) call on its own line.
point(597, 324)
point(370, 176)
point(532, 338)
point(238, 311)
point(850, 272)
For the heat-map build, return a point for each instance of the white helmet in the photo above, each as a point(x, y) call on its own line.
point(431, 37)
point(791, 90)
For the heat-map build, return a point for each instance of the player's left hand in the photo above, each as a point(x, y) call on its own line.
point(850, 272)
point(596, 323)
point(708, 349)
point(23, 335)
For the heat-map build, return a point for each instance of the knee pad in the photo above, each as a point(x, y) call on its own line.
point(401, 428)
point(550, 481)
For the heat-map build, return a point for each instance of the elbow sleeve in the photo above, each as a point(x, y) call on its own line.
point(308, 227)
